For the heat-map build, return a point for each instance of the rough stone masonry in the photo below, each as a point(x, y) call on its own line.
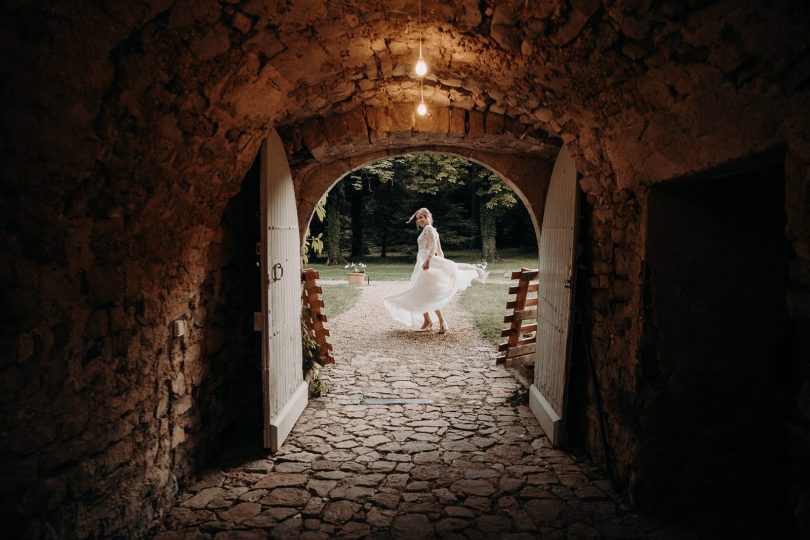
point(127, 136)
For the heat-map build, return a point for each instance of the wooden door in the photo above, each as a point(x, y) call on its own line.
point(284, 390)
point(558, 237)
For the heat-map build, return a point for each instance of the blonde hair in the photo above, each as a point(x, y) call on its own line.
point(426, 213)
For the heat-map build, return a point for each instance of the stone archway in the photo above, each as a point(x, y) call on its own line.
point(333, 147)
point(323, 150)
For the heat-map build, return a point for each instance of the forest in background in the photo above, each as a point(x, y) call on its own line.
point(366, 212)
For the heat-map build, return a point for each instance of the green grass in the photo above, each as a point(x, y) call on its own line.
point(339, 298)
point(398, 267)
point(487, 305)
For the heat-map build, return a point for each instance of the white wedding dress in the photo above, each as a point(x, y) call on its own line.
point(433, 288)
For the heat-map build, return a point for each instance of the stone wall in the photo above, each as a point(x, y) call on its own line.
point(615, 262)
point(104, 411)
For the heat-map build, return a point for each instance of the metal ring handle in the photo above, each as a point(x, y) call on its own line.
point(277, 267)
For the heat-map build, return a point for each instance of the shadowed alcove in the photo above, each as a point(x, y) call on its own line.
point(716, 359)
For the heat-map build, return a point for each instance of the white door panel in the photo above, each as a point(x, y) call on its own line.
point(284, 391)
point(555, 298)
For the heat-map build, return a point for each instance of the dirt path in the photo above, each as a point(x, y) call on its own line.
point(380, 358)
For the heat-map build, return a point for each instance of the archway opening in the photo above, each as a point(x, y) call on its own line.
point(480, 218)
point(480, 211)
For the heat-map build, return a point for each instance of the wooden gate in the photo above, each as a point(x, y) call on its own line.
point(283, 387)
point(557, 255)
point(519, 346)
point(312, 312)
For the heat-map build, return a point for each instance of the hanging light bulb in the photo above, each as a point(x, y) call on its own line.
point(421, 109)
point(421, 67)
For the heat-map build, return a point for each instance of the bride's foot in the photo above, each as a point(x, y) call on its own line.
point(425, 327)
point(443, 327)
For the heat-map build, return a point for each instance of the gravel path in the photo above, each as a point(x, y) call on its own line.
point(419, 436)
point(377, 357)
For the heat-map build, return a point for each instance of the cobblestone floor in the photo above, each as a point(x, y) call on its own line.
point(421, 435)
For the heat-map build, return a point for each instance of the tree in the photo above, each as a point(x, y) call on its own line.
point(356, 206)
point(314, 242)
point(334, 256)
point(496, 199)
point(438, 182)
point(384, 202)
point(463, 196)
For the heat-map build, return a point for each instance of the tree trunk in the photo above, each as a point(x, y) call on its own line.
point(356, 198)
point(384, 243)
point(475, 235)
point(489, 229)
point(383, 224)
point(334, 256)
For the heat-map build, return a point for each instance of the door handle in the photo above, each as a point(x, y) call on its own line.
point(567, 283)
point(278, 271)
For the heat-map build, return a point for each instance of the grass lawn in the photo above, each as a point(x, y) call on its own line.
point(487, 305)
point(397, 267)
point(339, 298)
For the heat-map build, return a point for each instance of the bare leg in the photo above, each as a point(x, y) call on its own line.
point(427, 324)
point(442, 323)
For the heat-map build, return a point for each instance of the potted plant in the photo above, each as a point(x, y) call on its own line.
point(357, 273)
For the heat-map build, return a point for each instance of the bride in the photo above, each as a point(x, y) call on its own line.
point(433, 283)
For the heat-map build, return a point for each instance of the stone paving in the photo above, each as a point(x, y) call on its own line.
point(421, 435)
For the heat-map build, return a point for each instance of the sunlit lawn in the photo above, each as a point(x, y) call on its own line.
point(397, 267)
point(339, 298)
point(487, 305)
point(485, 302)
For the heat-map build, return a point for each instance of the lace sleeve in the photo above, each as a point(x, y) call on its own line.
point(431, 237)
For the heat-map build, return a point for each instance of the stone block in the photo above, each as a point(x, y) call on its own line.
point(178, 385)
point(581, 12)
point(436, 121)
point(514, 128)
point(476, 124)
point(347, 130)
point(495, 124)
point(400, 120)
point(457, 122)
point(507, 36)
point(312, 133)
point(178, 436)
point(105, 283)
point(182, 405)
point(378, 122)
point(98, 325)
point(623, 289)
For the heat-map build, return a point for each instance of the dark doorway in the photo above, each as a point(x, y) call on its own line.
point(715, 362)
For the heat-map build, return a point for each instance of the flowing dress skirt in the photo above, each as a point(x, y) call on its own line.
point(431, 289)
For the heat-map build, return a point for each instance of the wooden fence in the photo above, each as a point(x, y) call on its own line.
point(519, 345)
point(314, 317)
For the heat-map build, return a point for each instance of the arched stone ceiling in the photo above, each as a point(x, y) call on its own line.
point(132, 108)
point(323, 150)
point(562, 66)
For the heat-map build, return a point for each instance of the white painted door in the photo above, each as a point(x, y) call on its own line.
point(284, 390)
point(558, 237)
